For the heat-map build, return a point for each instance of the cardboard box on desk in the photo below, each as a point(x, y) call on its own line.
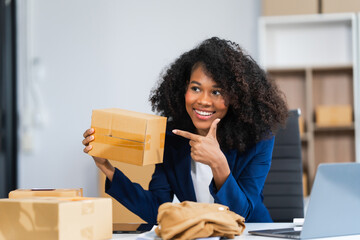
point(39, 192)
point(333, 115)
point(127, 136)
point(55, 218)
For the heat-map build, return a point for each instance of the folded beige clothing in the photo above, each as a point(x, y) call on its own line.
point(190, 220)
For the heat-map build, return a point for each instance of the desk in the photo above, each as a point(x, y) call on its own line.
point(251, 226)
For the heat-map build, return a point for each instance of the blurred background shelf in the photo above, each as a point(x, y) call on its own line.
point(314, 60)
point(334, 128)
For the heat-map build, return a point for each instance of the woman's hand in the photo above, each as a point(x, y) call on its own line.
point(207, 150)
point(88, 138)
point(103, 164)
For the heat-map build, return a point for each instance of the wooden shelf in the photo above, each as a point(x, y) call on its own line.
point(340, 67)
point(285, 69)
point(313, 60)
point(334, 128)
point(299, 68)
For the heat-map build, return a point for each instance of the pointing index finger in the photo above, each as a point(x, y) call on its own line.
point(213, 128)
point(186, 134)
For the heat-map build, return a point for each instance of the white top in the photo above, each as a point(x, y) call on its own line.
point(201, 175)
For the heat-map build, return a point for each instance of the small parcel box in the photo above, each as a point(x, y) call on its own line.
point(333, 115)
point(41, 192)
point(127, 136)
point(55, 218)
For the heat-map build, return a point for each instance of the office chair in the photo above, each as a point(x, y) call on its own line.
point(283, 189)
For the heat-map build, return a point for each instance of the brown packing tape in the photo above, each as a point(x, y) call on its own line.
point(123, 139)
point(119, 142)
point(119, 134)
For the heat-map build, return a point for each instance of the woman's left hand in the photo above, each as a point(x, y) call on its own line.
point(206, 150)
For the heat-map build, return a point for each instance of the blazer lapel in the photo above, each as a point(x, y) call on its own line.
point(183, 175)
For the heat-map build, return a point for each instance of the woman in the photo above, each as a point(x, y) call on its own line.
point(222, 115)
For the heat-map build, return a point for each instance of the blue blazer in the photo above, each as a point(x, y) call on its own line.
point(241, 192)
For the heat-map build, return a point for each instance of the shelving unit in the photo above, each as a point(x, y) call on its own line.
point(314, 61)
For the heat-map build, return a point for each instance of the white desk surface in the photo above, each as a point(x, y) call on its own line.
point(246, 235)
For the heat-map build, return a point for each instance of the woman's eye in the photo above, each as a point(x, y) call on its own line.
point(195, 89)
point(216, 92)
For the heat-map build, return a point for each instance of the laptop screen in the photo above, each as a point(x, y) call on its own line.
point(334, 206)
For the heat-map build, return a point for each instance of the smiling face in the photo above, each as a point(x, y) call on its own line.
point(203, 100)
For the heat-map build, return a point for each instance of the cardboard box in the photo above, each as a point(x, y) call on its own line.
point(124, 219)
point(127, 136)
point(338, 6)
point(38, 192)
point(289, 7)
point(55, 218)
point(333, 115)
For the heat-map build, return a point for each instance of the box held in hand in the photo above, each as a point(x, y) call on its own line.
point(127, 136)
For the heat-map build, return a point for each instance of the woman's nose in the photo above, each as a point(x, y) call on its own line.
point(204, 99)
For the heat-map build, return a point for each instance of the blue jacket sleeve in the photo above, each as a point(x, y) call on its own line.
point(244, 191)
point(144, 203)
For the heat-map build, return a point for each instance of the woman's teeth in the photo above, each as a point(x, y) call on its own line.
point(202, 113)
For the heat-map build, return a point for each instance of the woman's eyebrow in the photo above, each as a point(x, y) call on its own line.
point(195, 82)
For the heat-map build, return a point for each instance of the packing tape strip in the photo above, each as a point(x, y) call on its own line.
point(119, 142)
point(125, 139)
point(119, 134)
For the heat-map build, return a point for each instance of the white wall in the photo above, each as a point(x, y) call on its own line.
point(79, 55)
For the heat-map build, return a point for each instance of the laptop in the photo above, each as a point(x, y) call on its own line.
point(334, 205)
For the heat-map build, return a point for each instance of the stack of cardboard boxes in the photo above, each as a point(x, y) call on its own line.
point(60, 214)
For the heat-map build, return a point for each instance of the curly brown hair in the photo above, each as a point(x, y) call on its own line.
point(256, 106)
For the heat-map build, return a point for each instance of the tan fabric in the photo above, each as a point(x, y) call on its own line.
point(189, 220)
